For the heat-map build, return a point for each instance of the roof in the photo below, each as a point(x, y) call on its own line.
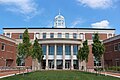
point(66, 28)
point(112, 39)
point(7, 38)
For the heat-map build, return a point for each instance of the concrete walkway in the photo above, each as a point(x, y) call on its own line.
point(111, 74)
point(12, 73)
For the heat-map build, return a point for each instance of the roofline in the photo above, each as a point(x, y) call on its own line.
point(7, 38)
point(112, 39)
point(66, 28)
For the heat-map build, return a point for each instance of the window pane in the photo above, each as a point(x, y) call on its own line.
point(116, 47)
point(81, 35)
point(51, 50)
point(3, 47)
point(66, 35)
point(51, 35)
point(59, 35)
point(44, 49)
point(75, 49)
point(37, 35)
point(67, 49)
point(44, 35)
point(20, 36)
point(8, 34)
point(59, 50)
point(74, 35)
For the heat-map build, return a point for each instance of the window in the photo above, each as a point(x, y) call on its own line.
point(51, 35)
point(44, 35)
point(3, 47)
point(59, 50)
point(74, 35)
point(75, 49)
point(67, 49)
point(81, 36)
point(93, 36)
point(59, 35)
point(59, 24)
point(109, 35)
point(44, 49)
point(59, 21)
point(115, 47)
point(97, 63)
point(37, 35)
point(20, 36)
point(8, 35)
point(51, 50)
point(66, 35)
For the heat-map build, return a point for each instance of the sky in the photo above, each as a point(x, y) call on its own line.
point(77, 13)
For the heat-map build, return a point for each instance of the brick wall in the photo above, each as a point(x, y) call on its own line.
point(9, 53)
point(110, 54)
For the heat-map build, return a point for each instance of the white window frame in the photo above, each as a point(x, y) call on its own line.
point(3, 47)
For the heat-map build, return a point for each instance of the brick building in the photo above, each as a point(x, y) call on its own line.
point(60, 44)
point(112, 52)
point(7, 51)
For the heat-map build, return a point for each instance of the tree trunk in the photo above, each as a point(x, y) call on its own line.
point(39, 65)
point(80, 64)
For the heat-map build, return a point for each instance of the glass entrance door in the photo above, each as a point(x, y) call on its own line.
point(67, 64)
point(51, 64)
point(59, 64)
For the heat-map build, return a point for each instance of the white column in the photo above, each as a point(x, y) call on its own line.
point(10, 35)
point(55, 58)
point(63, 56)
point(47, 58)
point(71, 57)
point(83, 36)
point(34, 35)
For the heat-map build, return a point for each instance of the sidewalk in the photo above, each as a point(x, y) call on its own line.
point(11, 73)
point(111, 74)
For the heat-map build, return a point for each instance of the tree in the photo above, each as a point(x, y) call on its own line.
point(97, 48)
point(37, 52)
point(24, 48)
point(83, 52)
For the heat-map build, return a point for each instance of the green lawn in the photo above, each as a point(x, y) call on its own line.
point(60, 75)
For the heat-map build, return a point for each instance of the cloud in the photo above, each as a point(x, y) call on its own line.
point(103, 4)
point(77, 22)
point(25, 7)
point(101, 24)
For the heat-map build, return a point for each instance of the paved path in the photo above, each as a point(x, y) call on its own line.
point(11, 73)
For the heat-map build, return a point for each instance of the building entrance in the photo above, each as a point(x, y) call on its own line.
point(51, 64)
point(59, 64)
point(67, 64)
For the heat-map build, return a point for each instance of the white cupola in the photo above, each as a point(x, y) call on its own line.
point(59, 21)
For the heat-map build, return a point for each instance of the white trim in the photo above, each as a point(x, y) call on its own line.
point(7, 38)
point(112, 39)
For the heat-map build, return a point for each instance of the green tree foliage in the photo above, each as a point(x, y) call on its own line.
point(83, 52)
point(26, 44)
point(37, 51)
point(97, 47)
point(24, 48)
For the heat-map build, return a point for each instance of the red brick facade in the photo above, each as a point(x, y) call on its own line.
point(17, 35)
point(112, 55)
point(88, 36)
point(7, 51)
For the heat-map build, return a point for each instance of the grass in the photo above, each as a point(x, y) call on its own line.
point(59, 75)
